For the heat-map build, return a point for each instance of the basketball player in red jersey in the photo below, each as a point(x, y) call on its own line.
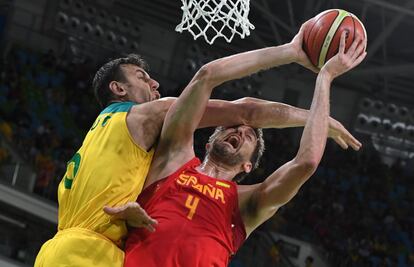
point(203, 216)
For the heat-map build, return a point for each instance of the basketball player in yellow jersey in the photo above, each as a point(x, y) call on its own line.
point(111, 166)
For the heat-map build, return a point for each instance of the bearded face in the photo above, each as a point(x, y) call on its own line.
point(225, 154)
point(233, 146)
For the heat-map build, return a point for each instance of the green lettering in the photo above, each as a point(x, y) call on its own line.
point(105, 120)
point(72, 170)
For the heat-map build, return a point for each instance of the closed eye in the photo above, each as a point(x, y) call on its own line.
point(143, 75)
point(251, 138)
point(251, 135)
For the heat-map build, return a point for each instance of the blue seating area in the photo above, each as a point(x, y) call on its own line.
point(43, 102)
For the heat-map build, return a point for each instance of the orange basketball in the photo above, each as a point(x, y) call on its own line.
point(322, 36)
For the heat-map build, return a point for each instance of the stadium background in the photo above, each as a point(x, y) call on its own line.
point(357, 210)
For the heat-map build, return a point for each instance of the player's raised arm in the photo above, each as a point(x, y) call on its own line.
point(185, 114)
point(261, 202)
point(188, 109)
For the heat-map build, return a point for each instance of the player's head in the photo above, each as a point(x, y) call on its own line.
point(238, 147)
point(124, 79)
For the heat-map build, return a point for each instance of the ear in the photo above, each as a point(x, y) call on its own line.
point(247, 167)
point(117, 88)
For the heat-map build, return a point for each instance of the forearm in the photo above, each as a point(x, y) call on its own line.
point(261, 113)
point(316, 129)
point(243, 64)
point(284, 183)
point(269, 114)
point(315, 133)
point(254, 112)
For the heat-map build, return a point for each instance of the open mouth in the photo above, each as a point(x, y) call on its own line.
point(233, 140)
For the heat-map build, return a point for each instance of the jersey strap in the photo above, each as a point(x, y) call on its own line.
point(118, 107)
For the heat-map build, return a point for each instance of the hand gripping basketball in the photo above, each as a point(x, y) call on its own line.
point(300, 55)
point(323, 33)
point(345, 61)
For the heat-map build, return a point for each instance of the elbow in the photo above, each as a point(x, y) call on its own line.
point(207, 74)
point(247, 110)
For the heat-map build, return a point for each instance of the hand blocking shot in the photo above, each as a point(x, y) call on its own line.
point(200, 215)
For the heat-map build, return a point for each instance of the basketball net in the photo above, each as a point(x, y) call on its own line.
point(215, 18)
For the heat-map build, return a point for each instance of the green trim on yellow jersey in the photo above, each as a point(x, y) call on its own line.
point(118, 107)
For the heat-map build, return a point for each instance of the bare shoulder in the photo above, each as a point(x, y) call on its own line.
point(156, 106)
point(144, 121)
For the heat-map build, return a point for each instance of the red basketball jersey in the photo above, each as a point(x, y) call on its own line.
point(199, 222)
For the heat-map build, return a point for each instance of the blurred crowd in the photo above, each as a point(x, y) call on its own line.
point(45, 108)
point(356, 208)
point(359, 210)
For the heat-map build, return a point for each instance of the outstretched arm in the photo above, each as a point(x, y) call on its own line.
point(262, 201)
point(184, 116)
point(220, 113)
point(244, 64)
point(260, 113)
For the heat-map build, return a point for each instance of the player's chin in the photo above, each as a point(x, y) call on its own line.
point(224, 149)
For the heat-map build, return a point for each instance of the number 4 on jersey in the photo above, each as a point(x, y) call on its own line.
point(191, 203)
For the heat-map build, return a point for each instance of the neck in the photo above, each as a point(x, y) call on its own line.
point(216, 169)
point(119, 100)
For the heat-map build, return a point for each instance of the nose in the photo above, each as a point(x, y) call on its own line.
point(154, 84)
point(241, 130)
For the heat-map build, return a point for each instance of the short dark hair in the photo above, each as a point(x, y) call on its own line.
point(111, 71)
point(256, 155)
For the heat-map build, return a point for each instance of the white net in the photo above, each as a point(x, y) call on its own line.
point(215, 18)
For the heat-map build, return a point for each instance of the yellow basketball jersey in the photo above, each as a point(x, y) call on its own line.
point(109, 169)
